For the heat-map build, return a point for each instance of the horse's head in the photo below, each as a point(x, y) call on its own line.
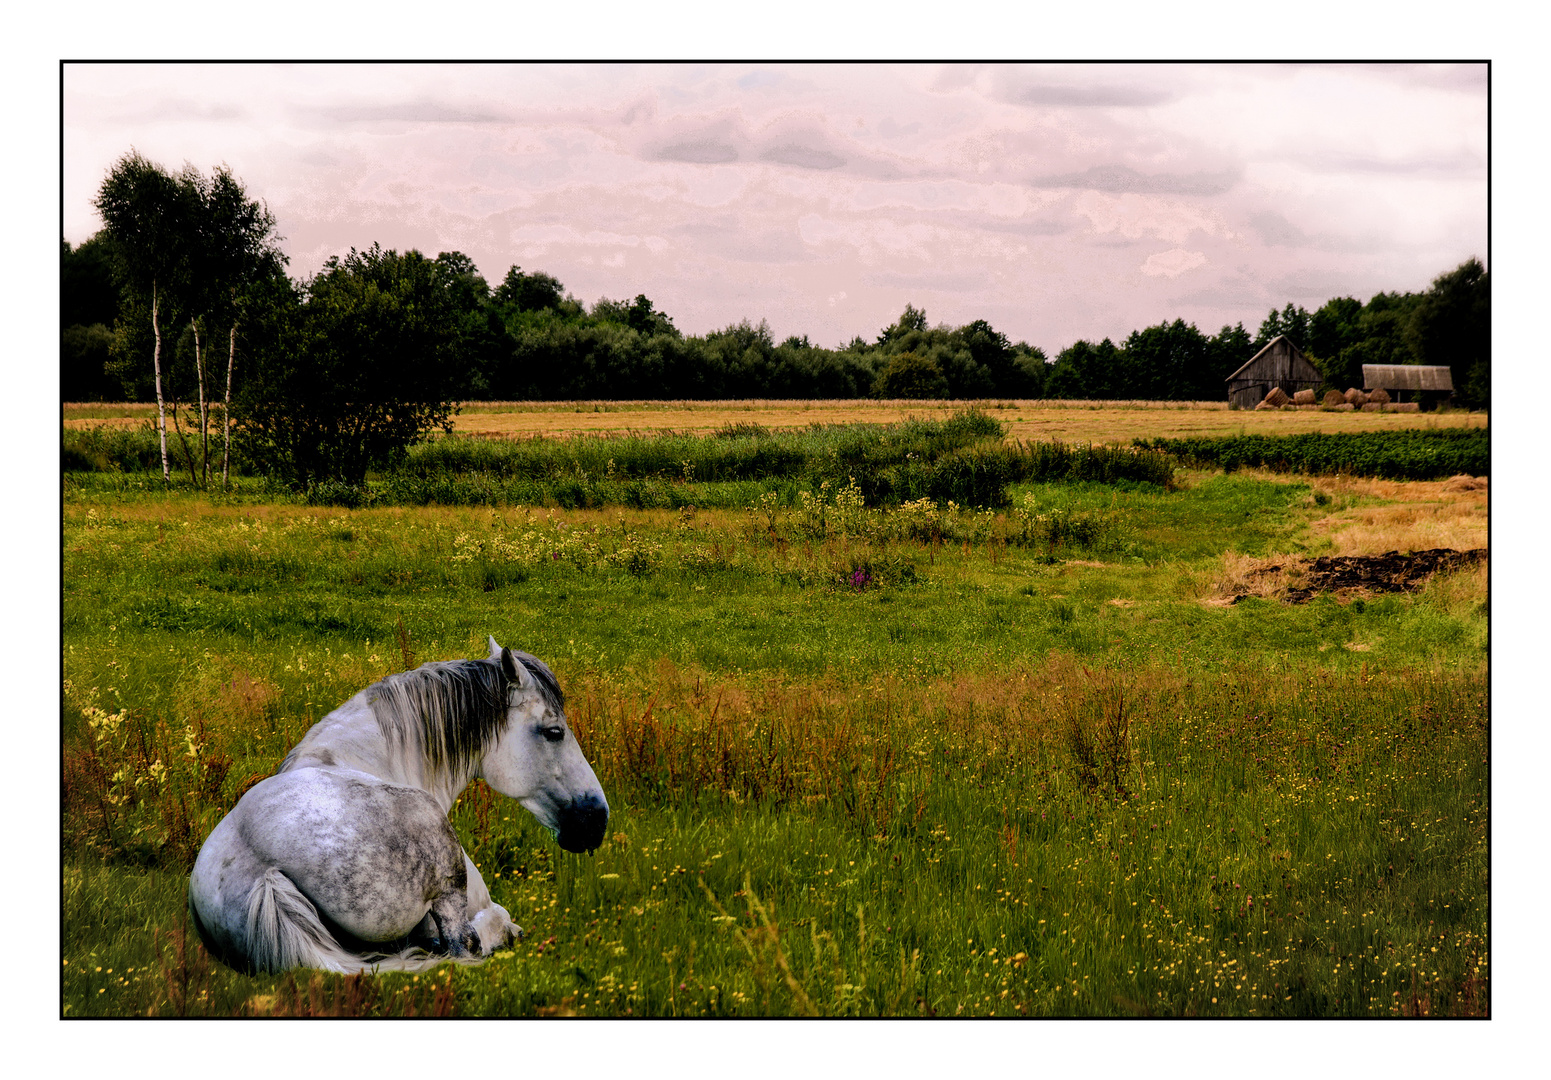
point(536, 760)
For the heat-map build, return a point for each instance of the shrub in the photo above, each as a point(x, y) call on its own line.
point(974, 476)
point(1417, 454)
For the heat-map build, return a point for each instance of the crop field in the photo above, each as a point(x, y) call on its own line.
point(1084, 750)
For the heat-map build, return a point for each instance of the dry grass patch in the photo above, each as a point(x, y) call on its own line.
point(1245, 575)
point(1462, 592)
point(1375, 516)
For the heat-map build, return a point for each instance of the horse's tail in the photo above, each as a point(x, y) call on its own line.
point(284, 930)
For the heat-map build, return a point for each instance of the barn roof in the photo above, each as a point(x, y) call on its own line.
point(1406, 377)
point(1271, 345)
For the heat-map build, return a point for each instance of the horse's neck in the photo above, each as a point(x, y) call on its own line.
point(350, 737)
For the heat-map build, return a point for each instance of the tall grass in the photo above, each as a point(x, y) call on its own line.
point(985, 844)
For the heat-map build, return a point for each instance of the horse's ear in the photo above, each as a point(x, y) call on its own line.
point(516, 671)
point(495, 650)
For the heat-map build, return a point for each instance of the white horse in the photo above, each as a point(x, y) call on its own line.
point(345, 860)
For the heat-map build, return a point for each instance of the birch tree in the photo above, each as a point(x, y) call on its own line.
point(241, 249)
point(146, 213)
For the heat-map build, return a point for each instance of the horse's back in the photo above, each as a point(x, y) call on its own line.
point(371, 854)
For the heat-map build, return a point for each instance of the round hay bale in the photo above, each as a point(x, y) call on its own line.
point(1381, 396)
point(1343, 407)
point(1373, 406)
point(1403, 406)
point(1303, 397)
point(1355, 397)
point(1334, 398)
point(1277, 398)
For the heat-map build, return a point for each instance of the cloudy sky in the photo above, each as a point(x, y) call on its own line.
point(1057, 201)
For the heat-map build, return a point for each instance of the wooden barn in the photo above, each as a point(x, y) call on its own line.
point(1278, 364)
point(1424, 385)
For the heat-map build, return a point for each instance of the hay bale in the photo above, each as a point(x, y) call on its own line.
point(1380, 395)
point(1355, 397)
point(1343, 407)
point(1303, 397)
point(1306, 408)
point(1276, 398)
point(1403, 406)
point(1373, 406)
point(1334, 398)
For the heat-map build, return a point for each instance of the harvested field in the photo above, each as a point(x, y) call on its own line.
point(1069, 421)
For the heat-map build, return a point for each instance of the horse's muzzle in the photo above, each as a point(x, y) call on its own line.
point(583, 823)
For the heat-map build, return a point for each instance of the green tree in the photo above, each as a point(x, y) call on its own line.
point(88, 308)
point(1085, 370)
point(1029, 371)
point(913, 319)
point(1451, 326)
point(910, 376)
point(1291, 322)
point(1226, 353)
point(1168, 362)
point(349, 372)
point(643, 318)
point(528, 292)
point(88, 294)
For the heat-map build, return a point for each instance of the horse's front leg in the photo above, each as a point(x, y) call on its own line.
point(456, 934)
point(491, 922)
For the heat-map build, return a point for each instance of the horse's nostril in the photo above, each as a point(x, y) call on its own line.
point(583, 823)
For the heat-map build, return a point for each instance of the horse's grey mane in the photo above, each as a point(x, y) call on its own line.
point(454, 708)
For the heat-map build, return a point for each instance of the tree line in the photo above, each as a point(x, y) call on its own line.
point(326, 375)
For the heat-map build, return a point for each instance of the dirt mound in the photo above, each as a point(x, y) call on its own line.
point(1391, 572)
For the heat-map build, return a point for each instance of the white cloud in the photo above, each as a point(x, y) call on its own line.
point(1173, 262)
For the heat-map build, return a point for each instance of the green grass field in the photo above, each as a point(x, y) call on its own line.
point(860, 763)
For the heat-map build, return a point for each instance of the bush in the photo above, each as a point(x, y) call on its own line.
point(974, 476)
point(1418, 454)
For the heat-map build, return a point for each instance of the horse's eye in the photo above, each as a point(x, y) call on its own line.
point(554, 734)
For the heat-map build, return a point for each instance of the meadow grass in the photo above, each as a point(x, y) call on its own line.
point(861, 762)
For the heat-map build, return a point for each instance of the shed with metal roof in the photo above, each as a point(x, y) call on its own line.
point(1394, 377)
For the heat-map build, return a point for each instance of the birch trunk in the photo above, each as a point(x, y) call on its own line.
point(226, 411)
point(204, 423)
point(161, 409)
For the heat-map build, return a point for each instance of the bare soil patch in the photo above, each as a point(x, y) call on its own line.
point(1391, 572)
